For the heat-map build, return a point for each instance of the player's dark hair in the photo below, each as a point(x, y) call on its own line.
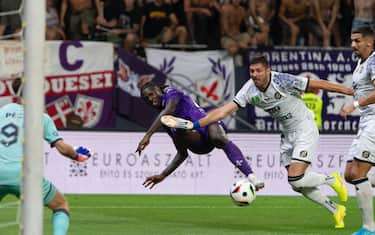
point(260, 59)
point(16, 85)
point(147, 85)
point(151, 85)
point(365, 31)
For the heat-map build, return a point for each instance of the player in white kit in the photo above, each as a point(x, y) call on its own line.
point(279, 95)
point(362, 150)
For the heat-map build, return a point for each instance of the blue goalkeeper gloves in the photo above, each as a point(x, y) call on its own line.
point(82, 154)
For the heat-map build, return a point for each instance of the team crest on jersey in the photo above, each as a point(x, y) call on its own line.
point(365, 154)
point(90, 109)
point(277, 95)
point(303, 154)
point(255, 100)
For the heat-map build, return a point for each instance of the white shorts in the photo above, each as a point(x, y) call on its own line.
point(299, 145)
point(363, 145)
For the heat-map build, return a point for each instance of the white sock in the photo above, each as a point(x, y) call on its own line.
point(316, 196)
point(371, 178)
point(310, 180)
point(364, 199)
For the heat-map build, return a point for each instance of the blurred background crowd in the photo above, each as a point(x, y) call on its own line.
point(199, 24)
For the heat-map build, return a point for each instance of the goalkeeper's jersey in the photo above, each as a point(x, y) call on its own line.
point(363, 78)
point(282, 99)
point(12, 133)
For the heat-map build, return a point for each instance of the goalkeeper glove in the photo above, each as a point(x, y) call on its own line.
point(82, 154)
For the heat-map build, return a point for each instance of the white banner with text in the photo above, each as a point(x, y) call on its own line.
point(115, 168)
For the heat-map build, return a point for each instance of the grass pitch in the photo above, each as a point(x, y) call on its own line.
point(191, 215)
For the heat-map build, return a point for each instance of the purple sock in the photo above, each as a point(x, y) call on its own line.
point(235, 155)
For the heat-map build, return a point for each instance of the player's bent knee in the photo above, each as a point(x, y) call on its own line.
point(218, 141)
point(58, 203)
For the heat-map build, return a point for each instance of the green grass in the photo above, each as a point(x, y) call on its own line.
point(190, 215)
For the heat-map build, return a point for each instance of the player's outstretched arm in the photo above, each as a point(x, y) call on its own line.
point(169, 109)
point(217, 114)
point(329, 86)
point(78, 154)
point(180, 157)
point(349, 108)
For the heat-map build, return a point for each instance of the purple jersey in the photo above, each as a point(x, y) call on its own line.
point(189, 110)
point(186, 107)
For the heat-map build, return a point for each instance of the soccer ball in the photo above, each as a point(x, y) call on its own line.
point(242, 192)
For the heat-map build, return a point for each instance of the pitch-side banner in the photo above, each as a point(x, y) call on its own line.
point(115, 168)
point(79, 80)
point(335, 65)
point(209, 73)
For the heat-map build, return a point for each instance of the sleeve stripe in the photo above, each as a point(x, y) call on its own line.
point(53, 142)
point(307, 84)
point(237, 103)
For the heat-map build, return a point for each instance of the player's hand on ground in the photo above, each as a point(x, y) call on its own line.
point(142, 144)
point(346, 110)
point(82, 154)
point(151, 181)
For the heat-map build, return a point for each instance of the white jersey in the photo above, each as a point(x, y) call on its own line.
point(363, 78)
point(282, 99)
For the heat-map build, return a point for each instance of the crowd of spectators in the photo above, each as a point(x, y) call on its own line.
point(211, 24)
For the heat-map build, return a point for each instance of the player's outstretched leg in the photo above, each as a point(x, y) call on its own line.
point(60, 221)
point(338, 211)
point(60, 217)
point(339, 186)
point(339, 216)
point(235, 155)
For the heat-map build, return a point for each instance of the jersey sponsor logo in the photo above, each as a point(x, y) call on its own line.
point(255, 100)
point(273, 110)
point(303, 154)
point(285, 117)
point(12, 115)
point(365, 154)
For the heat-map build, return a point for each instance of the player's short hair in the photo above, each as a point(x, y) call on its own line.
point(366, 31)
point(152, 85)
point(260, 59)
point(17, 85)
point(147, 85)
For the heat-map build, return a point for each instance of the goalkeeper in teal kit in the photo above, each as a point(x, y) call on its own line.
point(11, 157)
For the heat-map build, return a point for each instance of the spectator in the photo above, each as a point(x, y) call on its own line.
point(325, 12)
point(364, 14)
point(233, 16)
point(295, 19)
point(122, 19)
point(261, 14)
point(10, 24)
point(346, 18)
point(159, 24)
point(53, 29)
point(204, 18)
point(177, 7)
point(81, 21)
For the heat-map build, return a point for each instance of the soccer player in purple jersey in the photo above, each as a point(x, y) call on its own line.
point(200, 141)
